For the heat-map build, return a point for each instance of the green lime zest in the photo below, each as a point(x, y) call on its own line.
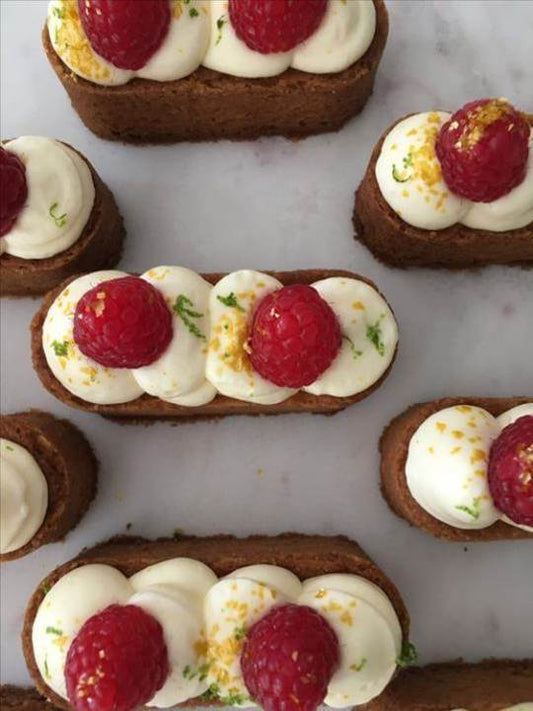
point(60, 220)
point(54, 630)
point(186, 314)
point(60, 349)
point(408, 655)
point(473, 510)
point(212, 693)
point(403, 176)
point(231, 301)
point(220, 24)
point(374, 335)
point(359, 667)
point(240, 633)
point(355, 352)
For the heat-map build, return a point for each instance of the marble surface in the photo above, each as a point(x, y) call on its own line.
point(277, 204)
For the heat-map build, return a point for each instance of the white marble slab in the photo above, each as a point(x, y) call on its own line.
point(276, 204)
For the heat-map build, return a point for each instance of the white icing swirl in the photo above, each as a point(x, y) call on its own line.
point(228, 367)
point(208, 352)
point(179, 374)
point(446, 467)
point(78, 374)
point(201, 33)
point(180, 53)
point(205, 621)
point(410, 179)
point(60, 198)
point(23, 496)
point(344, 35)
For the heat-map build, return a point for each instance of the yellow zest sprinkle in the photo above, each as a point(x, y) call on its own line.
point(231, 338)
point(478, 456)
point(176, 9)
point(74, 47)
point(479, 119)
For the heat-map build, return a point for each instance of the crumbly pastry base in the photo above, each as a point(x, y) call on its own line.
point(490, 685)
point(394, 445)
point(98, 247)
point(305, 556)
point(398, 244)
point(209, 106)
point(69, 467)
point(146, 408)
point(22, 699)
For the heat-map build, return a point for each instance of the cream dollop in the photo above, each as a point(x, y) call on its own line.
point(180, 53)
point(209, 351)
point(179, 374)
point(232, 303)
point(446, 467)
point(60, 198)
point(205, 621)
point(23, 496)
point(410, 179)
point(78, 374)
point(201, 33)
point(343, 36)
point(369, 337)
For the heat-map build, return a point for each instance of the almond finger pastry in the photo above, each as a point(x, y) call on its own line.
point(451, 190)
point(288, 622)
point(196, 70)
point(462, 468)
point(48, 478)
point(173, 343)
point(57, 217)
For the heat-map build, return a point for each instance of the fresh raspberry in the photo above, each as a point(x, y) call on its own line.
point(125, 32)
point(117, 661)
point(13, 189)
point(510, 471)
point(123, 323)
point(483, 150)
point(288, 659)
point(295, 336)
point(269, 26)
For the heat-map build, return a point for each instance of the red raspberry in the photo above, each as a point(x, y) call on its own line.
point(288, 659)
point(13, 189)
point(510, 471)
point(295, 336)
point(483, 150)
point(125, 32)
point(269, 26)
point(117, 661)
point(123, 323)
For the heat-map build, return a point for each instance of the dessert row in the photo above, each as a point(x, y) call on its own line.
point(458, 468)
point(440, 190)
point(289, 622)
point(205, 70)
